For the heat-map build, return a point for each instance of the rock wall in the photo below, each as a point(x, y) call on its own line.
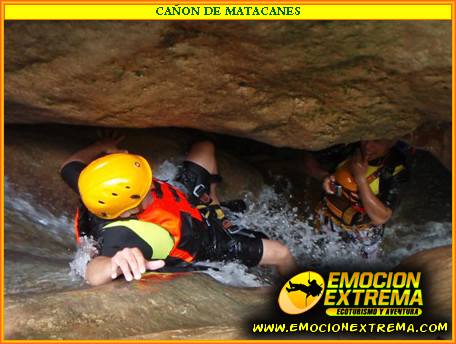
point(295, 84)
point(435, 138)
point(305, 85)
point(33, 155)
point(165, 306)
point(174, 306)
point(436, 266)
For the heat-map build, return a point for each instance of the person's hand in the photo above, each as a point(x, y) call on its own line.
point(328, 183)
point(110, 140)
point(110, 145)
point(131, 263)
point(358, 165)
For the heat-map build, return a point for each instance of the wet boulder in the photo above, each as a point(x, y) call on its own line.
point(34, 154)
point(436, 267)
point(164, 306)
point(304, 84)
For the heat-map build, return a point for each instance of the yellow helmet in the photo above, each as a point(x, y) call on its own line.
point(114, 184)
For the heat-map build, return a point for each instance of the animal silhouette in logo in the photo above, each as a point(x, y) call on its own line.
point(312, 289)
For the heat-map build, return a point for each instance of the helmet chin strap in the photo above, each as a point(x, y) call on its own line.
point(147, 200)
point(127, 214)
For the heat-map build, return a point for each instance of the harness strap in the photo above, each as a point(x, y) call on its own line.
point(375, 174)
point(76, 225)
point(335, 221)
point(214, 208)
point(175, 194)
point(158, 189)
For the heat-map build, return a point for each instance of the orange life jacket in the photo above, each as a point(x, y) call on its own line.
point(77, 227)
point(345, 209)
point(171, 210)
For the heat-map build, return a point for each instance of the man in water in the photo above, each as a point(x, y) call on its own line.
point(362, 183)
point(139, 221)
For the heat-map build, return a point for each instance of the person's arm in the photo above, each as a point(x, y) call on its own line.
point(375, 209)
point(90, 153)
point(130, 262)
point(125, 252)
point(378, 212)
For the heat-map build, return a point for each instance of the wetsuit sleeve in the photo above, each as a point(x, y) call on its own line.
point(70, 174)
point(392, 188)
point(152, 240)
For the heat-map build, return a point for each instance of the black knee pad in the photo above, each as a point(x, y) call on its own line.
point(247, 250)
point(195, 178)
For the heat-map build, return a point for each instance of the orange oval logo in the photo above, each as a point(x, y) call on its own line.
point(301, 292)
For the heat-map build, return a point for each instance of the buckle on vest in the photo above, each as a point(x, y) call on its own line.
point(199, 190)
point(234, 229)
point(338, 189)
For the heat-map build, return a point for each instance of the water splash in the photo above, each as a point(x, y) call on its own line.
point(167, 170)
point(403, 240)
point(59, 227)
point(270, 213)
point(232, 273)
point(86, 251)
point(273, 215)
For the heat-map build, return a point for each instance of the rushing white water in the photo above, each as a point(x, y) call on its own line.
point(59, 227)
point(270, 213)
point(85, 252)
point(273, 215)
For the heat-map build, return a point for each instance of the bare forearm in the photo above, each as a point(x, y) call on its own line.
point(99, 271)
point(375, 209)
point(129, 262)
point(87, 154)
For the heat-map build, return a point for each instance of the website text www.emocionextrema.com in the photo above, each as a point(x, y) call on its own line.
point(347, 327)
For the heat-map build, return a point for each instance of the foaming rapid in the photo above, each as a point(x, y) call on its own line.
point(38, 246)
point(85, 252)
point(59, 227)
point(34, 235)
point(273, 215)
point(403, 240)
